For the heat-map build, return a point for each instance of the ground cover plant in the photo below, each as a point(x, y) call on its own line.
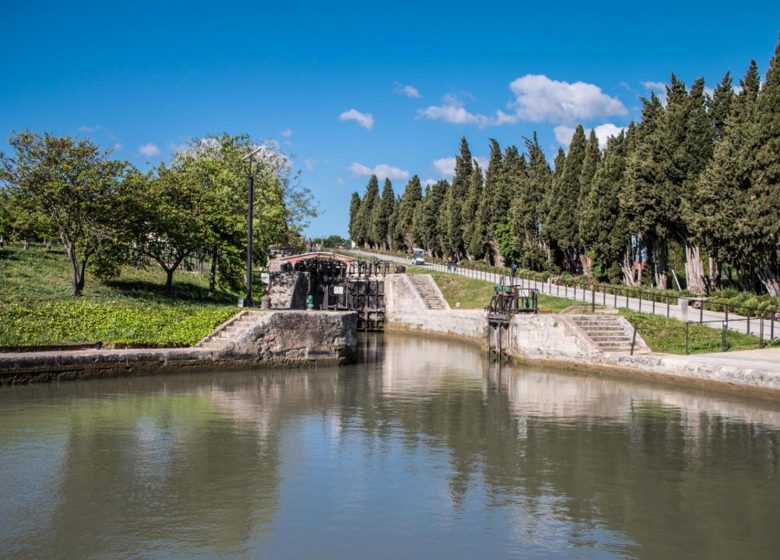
point(37, 308)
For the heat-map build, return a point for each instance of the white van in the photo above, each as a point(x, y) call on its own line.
point(419, 256)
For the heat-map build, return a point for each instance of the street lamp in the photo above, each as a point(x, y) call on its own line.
point(249, 226)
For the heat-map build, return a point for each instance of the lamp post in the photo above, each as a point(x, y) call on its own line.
point(249, 226)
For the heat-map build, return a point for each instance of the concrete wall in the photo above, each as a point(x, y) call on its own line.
point(288, 290)
point(294, 338)
point(549, 337)
point(401, 297)
point(469, 324)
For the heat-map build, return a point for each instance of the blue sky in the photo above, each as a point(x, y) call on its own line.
point(146, 77)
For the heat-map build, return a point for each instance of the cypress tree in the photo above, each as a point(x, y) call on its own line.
point(366, 213)
point(470, 208)
point(526, 211)
point(721, 202)
point(763, 158)
point(380, 221)
point(406, 208)
point(562, 224)
point(589, 165)
point(354, 209)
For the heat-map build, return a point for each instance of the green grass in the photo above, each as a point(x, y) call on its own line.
point(476, 294)
point(36, 306)
point(668, 335)
point(660, 333)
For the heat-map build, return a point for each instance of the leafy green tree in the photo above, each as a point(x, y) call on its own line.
point(71, 183)
point(218, 164)
point(168, 218)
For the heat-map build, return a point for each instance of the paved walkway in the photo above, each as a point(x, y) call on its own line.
point(714, 319)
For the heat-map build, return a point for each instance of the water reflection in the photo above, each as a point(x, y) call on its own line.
point(422, 450)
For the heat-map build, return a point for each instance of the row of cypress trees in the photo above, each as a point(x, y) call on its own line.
point(696, 182)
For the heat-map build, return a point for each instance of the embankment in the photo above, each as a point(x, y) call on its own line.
point(289, 338)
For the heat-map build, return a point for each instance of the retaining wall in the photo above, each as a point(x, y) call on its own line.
point(290, 338)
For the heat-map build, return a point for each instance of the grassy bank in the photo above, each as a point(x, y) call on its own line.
point(36, 307)
point(660, 333)
point(668, 335)
point(471, 293)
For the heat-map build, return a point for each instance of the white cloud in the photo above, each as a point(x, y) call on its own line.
point(709, 91)
point(446, 166)
point(366, 120)
point(149, 149)
point(564, 134)
point(116, 147)
point(654, 86)
point(382, 171)
point(538, 98)
point(429, 182)
point(87, 128)
point(606, 131)
point(407, 90)
point(658, 88)
point(453, 111)
point(287, 132)
point(309, 164)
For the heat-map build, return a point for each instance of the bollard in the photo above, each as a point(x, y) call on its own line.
point(614, 292)
point(773, 316)
point(701, 312)
point(667, 307)
point(761, 332)
point(724, 341)
point(604, 293)
point(686, 338)
point(593, 300)
point(640, 301)
point(653, 304)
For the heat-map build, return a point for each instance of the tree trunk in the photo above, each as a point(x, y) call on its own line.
point(169, 279)
point(627, 267)
point(586, 262)
point(661, 264)
point(76, 271)
point(213, 273)
point(694, 269)
point(770, 278)
point(714, 267)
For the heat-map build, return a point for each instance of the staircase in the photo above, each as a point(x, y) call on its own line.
point(607, 332)
point(428, 290)
point(222, 336)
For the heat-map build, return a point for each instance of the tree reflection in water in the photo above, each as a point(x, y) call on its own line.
point(422, 449)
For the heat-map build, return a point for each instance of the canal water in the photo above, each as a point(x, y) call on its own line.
point(423, 450)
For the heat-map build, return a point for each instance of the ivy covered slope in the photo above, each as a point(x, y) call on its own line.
point(37, 308)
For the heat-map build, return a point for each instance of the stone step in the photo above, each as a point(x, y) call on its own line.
point(604, 338)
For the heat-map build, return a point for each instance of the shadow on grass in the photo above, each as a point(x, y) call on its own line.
point(181, 291)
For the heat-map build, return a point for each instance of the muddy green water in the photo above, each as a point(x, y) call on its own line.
point(421, 451)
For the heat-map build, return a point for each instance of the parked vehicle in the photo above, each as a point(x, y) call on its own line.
point(418, 256)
